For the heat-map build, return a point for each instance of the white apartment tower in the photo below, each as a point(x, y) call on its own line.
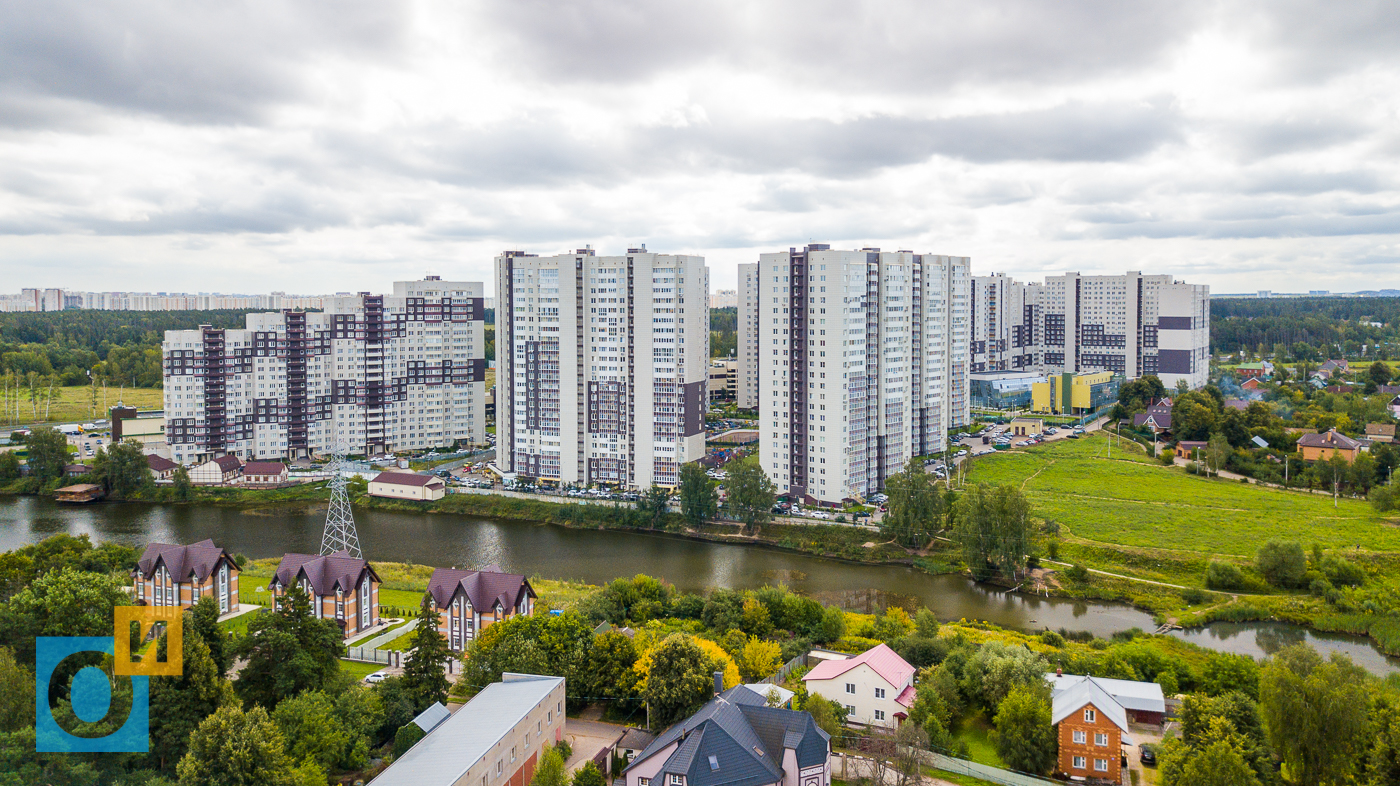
point(862, 363)
point(746, 338)
point(382, 373)
point(603, 366)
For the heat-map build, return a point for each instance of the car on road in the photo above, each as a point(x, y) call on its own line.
point(378, 676)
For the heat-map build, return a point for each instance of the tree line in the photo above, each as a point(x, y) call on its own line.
point(1311, 328)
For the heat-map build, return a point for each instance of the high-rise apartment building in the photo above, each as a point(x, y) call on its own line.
point(724, 298)
point(746, 338)
point(1132, 325)
point(862, 363)
point(380, 373)
point(603, 366)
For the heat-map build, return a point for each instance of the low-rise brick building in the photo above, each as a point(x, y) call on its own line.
point(341, 588)
point(469, 600)
point(174, 575)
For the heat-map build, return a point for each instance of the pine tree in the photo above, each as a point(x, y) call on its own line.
point(423, 677)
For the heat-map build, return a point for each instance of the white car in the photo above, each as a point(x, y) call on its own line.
point(378, 676)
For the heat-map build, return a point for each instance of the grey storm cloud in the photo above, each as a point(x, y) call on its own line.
point(899, 45)
point(191, 62)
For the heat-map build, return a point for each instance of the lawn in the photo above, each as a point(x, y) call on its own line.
point(1132, 501)
point(359, 670)
point(976, 731)
point(75, 403)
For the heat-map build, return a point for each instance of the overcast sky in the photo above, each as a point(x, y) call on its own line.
point(336, 146)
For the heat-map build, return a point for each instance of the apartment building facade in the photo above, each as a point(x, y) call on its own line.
point(746, 338)
point(1131, 325)
point(861, 363)
point(380, 373)
point(603, 366)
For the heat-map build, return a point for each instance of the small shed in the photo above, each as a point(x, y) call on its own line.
point(1027, 427)
point(83, 492)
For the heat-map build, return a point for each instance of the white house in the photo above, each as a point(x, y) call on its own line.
point(264, 472)
point(876, 687)
point(217, 472)
point(406, 485)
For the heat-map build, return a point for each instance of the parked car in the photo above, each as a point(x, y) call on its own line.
point(378, 676)
point(1147, 754)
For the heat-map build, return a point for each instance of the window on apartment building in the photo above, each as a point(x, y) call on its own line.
point(850, 687)
point(1101, 740)
point(1090, 716)
point(1077, 762)
point(879, 693)
point(1079, 737)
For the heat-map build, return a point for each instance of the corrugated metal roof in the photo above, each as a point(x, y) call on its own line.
point(463, 739)
point(1133, 695)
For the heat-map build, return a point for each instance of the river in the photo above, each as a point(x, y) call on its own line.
point(597, 556)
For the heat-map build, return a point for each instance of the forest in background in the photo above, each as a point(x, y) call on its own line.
point(1307, 328)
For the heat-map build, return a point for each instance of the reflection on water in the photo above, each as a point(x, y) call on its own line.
point(598, 556)
point(1260, 639)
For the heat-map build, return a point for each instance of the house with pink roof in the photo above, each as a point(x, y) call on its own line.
point(876, 687)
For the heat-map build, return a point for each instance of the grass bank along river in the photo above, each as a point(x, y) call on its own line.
point(596, 556)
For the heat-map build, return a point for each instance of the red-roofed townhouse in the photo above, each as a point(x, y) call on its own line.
point(876, 687)
point(171, 575)
point(341, 588)
point(407, 485)
point(163, 468)
point(469, 600)
point(269, 472)
point(217, 472)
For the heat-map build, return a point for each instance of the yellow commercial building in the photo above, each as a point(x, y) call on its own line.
point(1075, 394)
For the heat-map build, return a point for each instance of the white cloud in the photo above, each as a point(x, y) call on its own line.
point(309, 147)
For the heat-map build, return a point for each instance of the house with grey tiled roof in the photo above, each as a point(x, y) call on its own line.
point(341, 588)
point(736, 740)
point(469, 600)
point(173, 575)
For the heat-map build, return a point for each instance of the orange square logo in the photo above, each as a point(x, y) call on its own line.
point(148, 618)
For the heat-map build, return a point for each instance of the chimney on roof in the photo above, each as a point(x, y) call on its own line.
point(1059, 673)
point(719, 682)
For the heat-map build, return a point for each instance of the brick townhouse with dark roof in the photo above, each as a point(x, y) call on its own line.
point(469, 600)
point(173, 575)
point(341, 588)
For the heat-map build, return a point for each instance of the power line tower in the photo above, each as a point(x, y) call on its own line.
point(339, 534)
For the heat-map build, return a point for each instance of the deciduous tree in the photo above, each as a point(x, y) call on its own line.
point(751, 494)
point(180, 704)
point(48, 453)
point(1315, 713)
point(993, 527)
point(679, 679)
point(698, 498)
point(237, 748)
point(759, 658)
point(915, 506)
point(1024, 738)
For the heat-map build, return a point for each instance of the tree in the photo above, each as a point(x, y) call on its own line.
point(1335, 469)
point(180, 704)
point(237, 748)
point(406, 736)
point(314, 730)
point(589, 775)
point(288, 651)
point(611, 657)
point(832, 627)
point(1217, 452)
point(931, 713)
point(1315, 713)
point(827, 714)
point(678, 679)
point(16, 693)
point(48, 453)
point(751, 493)
point(993, 527)
point(655, 503)
point(759, 658)
point(204, 623)
point(9, 465)
point(699, 500)
point(1282, 564)
point(550, 771)
point(997, 669)
point(123, 470)
point(184, 489)
point(1379, 373)
point(926, 624)
point(915, 506)
point(66, 602)
point(1024, 737)
point(423, 675)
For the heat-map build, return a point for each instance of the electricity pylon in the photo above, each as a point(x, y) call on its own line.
point(340, 534)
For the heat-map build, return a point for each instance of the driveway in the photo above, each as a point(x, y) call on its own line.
point(587, 737)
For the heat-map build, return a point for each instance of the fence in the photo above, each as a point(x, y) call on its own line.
point(388, 657)
point(781, 675)
point(846, 767)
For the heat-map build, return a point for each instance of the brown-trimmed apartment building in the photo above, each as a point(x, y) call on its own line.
point(341, 588)
point(469, 600)
point(172, 575)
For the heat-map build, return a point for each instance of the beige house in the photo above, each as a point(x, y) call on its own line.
point(876, 687)
point(265, 472)
point(174, 575)
point(406, 485)
point(1027, 427)
point(217, 472)
point(163, 468)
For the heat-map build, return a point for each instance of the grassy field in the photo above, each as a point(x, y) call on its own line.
point(359, 670)
point(1133, 501)
point(75, 403)
point(976, 731)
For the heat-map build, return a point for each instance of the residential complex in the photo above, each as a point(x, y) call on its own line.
point(603, 364)
point(378, 373)
point(54, 299)
point(861, 363)
point(724, 298)
point(1131, 325)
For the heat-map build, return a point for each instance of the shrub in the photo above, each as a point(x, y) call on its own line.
point(1052, 639)
point(1223, 576)
point(1282, 564)
point(1320, 587)
point(1167, 458)
point(1052, 549)
point(1194, 597)
point(1341, 572)
point(405, 737)
point(1076, 573)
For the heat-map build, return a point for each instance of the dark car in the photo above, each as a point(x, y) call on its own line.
point(1147, 755)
